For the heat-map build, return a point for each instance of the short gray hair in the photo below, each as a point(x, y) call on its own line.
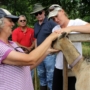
point(1, 22)
point(22, 16)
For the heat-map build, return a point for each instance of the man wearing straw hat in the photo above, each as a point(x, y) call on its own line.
point(43, 28)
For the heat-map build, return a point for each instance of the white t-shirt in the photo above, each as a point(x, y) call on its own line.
point(59, 57)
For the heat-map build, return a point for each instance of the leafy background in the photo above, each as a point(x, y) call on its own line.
point(74, 9)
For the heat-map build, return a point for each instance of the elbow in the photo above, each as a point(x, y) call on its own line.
point(32, 61)
point(32, 67)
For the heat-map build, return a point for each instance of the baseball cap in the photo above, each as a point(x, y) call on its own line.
point(53, 10)
point(7, 14)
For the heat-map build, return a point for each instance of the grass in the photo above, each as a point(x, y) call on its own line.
point(86, 50)
point(36, 80)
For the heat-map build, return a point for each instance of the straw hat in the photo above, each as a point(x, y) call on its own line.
point(37, 7)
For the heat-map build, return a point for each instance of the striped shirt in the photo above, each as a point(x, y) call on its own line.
point(13, 77)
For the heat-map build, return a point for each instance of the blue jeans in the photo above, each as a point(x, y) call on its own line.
point(45, 71)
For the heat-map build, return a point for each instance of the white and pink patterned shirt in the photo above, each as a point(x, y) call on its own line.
point(13, 77)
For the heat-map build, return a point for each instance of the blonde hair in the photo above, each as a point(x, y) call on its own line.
point(65, 13)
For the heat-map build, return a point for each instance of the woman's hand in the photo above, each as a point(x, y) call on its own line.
point(67, 29)
point(52, 51)
point(53, 36)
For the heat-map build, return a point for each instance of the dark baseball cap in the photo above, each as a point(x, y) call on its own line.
point(7, 14)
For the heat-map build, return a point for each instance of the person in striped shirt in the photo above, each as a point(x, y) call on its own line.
point(14, 63)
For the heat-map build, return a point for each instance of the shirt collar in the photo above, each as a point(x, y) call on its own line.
point(23, 31)
point(44, 21)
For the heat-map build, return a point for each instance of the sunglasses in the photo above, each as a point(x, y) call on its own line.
point(22, 20)
point(36, 14)
point(24, 49)
point(52, 8)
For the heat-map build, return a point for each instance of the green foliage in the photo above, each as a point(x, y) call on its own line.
point(86, 50)
point(74, 8)
point(19, 7)
point(86, 44)
point(77, 8)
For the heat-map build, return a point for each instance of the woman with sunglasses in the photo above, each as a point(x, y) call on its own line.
point(24, 35)
point(65, 25)
point(14, 63)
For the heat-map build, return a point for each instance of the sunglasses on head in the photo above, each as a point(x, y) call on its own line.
point(22, 20)
point(52, 8)
point(36, 14)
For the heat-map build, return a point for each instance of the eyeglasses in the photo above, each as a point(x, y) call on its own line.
point(36, 14)
point(16, 48)
point(24, 49)
point(22, 20)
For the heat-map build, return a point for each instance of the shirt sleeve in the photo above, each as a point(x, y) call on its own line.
point(56, 28)
point(80, 22)
point(33, 38)
point(53, 24)
point(14, 36)
point(35, 30)
point(4, 51)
